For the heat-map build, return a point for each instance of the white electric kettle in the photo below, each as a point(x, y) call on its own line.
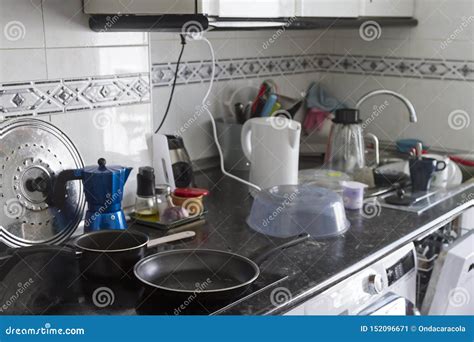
point(272, 145)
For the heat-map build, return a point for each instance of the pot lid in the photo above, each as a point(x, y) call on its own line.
point(32, 153)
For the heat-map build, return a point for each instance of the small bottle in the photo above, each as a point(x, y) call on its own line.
point(163, 198)
point(145, 204)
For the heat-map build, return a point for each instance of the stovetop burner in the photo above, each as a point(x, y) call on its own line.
point(45, 284)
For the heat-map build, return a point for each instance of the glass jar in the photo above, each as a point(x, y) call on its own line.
point(145, 203)
point(146, 207)
point(163, 198)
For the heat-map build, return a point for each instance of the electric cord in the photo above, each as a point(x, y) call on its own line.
point(183, 44)
point(213, 122)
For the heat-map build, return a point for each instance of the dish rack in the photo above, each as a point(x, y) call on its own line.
point(425, 268)
point(428, 251)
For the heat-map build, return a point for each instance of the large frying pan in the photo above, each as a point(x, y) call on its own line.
point(200, 276)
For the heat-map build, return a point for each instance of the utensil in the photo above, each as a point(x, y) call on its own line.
point(113, 254)
point(258, 103)
point(108, 254)
point(32, 153)
point(295, 108)
point(267, 108)
point(272, 145)
point(210, 276)
point(103, 187)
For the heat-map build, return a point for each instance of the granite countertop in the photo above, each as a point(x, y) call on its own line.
point(303, 271)
point(309, 268)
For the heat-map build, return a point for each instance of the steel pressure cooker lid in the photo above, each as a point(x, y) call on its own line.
point(32, 153)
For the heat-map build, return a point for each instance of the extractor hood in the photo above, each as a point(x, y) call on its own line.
point(178, 15)
point(177, 23)
point(174, 15)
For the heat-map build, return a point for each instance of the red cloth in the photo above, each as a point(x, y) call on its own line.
point(314, 119)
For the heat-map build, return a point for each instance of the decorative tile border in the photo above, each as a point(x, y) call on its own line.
point(233, 69)
point(66, 95)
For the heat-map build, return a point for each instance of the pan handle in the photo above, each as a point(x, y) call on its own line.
point(296, 241)
point(170, 238)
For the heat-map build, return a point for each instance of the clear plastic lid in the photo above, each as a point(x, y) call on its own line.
point(289, 210)
point(329, 179)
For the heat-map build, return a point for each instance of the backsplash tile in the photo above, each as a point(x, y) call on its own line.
point(233, 69)
point(21, 24)
point(23, 65)
point(66, 26)
point(67, 95)
point(121, 135)
point(95, 61)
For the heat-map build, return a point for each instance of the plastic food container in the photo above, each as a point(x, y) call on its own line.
point(353, 195)
point(181, 195)
point(289, 210)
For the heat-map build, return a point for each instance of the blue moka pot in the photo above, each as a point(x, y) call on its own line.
point(103, 188)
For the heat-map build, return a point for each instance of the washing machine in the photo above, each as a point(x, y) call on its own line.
point(387, 287)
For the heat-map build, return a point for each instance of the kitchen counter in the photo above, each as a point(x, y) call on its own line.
point(311, 267)
point(303, 271)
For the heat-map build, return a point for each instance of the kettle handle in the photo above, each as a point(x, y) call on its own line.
point(59, 188)
point(245, 138)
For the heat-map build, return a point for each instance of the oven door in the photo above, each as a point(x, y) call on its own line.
point(391, 305)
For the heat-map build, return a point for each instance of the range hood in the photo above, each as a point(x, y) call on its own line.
point(177, 23)
point(177, 15)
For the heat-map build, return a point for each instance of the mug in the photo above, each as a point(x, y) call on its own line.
point(422, 170)
point(441, 179)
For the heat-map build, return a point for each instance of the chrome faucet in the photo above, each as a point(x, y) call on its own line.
point(408, 104)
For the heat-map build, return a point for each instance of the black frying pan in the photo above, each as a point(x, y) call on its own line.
point(204, 276)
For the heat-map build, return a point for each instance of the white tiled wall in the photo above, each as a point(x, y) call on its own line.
point(433, 99)
point(50, 39)
point(227, 45)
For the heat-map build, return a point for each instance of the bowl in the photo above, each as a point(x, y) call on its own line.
point(290, 210)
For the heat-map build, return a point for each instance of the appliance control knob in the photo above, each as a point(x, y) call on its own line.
point(375, 284)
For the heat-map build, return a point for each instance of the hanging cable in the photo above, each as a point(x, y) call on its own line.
point(213, 122)
point(183, 44)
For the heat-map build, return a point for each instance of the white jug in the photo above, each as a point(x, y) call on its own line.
point(272, 145)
